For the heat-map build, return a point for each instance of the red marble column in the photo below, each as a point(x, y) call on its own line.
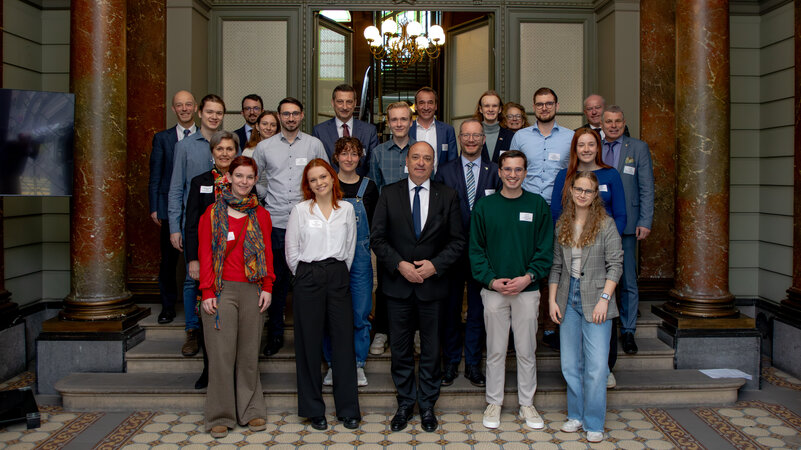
point(97, 77)
point(658, 129)
point(701, 287)
point(147, 74)
point(794, 293)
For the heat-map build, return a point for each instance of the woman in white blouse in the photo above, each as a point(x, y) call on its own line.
point(320, 244)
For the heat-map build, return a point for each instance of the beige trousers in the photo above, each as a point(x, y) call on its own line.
point(519, 311)
point(234, 393)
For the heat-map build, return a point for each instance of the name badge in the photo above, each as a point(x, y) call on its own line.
point(315, 223)
point(489, 191)
point(554, 156)
point(628, 170)
point(501, 152)
point(405, 169)
point(526, 217)
point(206, 189)
point(231, 236)
point(602, 188)
point(301, 161)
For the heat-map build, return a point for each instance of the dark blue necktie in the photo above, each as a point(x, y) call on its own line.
point(416, 217)
point(186, 133)
point(609, 156)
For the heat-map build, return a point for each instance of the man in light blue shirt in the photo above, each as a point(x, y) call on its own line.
point(545, 144)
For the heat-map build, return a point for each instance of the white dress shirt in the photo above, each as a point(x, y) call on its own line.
point(340, 123)
point(311, 237)
point(424, 196)
point(180, 130)
point(429, 135)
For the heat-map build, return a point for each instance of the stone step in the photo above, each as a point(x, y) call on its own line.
point(175, 392)
point(164, 355)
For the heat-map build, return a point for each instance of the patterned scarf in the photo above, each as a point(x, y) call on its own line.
point(220, 180)
point(255, 265)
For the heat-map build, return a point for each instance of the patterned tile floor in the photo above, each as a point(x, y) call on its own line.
point(770, 418)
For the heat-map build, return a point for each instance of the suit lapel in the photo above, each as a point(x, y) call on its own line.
point(483, 175)
point(406, 204)
point(624, 153)
point(433, 205)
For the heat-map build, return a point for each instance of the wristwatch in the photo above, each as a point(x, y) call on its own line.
point(605, 296)
point(531, 277)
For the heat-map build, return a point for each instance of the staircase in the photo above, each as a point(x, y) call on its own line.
point(159, 378)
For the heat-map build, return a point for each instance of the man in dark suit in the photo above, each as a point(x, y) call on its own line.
point(632, 158)
point(426, 128)
point(343, 100)
point(417, 236)
point(473, 178)
point(594, 106)
point(161, 161)
point(252, 106)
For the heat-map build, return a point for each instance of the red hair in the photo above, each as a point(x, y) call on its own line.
point(244, 161)
point(572, 167)
point(336, 191)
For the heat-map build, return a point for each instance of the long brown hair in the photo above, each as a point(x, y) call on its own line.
point(255, 135)
point(572, 167)
point(595, 219)
point(336, 191)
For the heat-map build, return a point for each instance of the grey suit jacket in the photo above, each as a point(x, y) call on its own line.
point(637, 174)
point(600, 261)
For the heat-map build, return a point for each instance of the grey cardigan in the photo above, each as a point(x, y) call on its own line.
point(600, 261)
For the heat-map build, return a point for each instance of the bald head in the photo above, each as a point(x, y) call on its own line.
point(184, 107)
point(594, 109)
point(420, 162)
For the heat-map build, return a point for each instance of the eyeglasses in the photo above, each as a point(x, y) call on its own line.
point(471, 135)
point(288, 114)
point(546, 105)
point(580, 191)
point(514, 116)
point(252, 108)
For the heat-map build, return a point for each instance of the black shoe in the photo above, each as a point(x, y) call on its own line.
point(319, 423)
point(402, 417)
point(167, 315)
point(473, 373)
point(274, 344)
point(203, 381)
point(629, 346)
point(428, 420)
point(551, 340)
point(449, 374)
point(350, 423)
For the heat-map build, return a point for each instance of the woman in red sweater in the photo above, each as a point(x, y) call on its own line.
point(236, 279)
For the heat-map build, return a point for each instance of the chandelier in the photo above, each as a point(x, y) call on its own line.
point(403, 42)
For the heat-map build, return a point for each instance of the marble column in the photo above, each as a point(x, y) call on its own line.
point(658, 129)
point(794, 293)
point(701, 285)
point(147, 75)
point(97, 77)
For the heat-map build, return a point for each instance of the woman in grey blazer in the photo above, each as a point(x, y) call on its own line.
point(587, 264)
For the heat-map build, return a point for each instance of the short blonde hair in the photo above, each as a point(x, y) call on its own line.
point(399, 105)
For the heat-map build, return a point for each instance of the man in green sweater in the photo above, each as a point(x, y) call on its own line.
point(511, 247)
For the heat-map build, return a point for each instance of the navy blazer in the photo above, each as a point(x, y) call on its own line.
point(243, 140)
point(452, 174)
point(161, 160)
point(363, 131)
point(504, 141)
point(445, 136)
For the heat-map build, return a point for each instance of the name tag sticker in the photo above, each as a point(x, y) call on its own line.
point(301, 161)
point(231, 236)
point(489, 191)
point(526, 217)
point(502, 152)
point(316, 223)
point(405, 169)
point(628, 170)
point(554, 156)
point(206, 189)
point(602, 188)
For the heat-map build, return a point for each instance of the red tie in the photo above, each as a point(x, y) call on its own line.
point(345, 132)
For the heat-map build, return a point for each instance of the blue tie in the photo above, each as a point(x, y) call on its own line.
point(416, 217)
point(609, 154)
point(186, 133)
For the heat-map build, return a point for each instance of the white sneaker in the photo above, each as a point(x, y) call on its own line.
point(417, 342)
point(361, 378)
point(379, 344)
point(611, 382)
point(492, 416)
point(571, 426)
point(329, 378)
point(595, 436)
point(532, 417)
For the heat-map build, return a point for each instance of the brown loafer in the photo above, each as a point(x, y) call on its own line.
point(220, 431)
point(257, 424)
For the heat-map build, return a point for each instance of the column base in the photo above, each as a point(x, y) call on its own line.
point(793, 301)
point(98, 309)
point(65, 347)
point(701, 307)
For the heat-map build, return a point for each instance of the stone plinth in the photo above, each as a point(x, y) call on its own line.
point(12, 357)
